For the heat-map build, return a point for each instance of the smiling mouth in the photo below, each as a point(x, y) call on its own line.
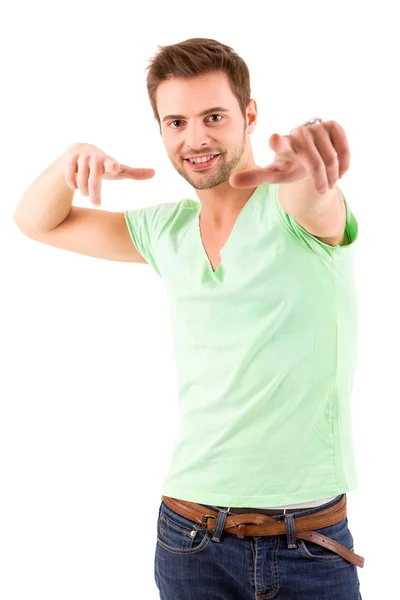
point(202, 165)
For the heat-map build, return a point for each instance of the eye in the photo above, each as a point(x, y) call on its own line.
point(209, 117)
point(220, 116)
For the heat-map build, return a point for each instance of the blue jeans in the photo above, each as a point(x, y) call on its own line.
point(190, 565)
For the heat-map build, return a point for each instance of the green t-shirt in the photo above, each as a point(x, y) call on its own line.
point(265, 351)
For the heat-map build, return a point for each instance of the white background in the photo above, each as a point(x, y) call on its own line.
point(88, 392)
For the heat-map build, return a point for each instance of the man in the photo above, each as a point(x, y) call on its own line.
point(264, 315)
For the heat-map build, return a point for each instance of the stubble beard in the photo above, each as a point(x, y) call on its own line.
point(223, 170)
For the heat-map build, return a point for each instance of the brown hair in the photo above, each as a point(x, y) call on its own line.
point(198, 56)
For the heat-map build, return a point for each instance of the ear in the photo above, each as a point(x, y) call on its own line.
point(251, 116)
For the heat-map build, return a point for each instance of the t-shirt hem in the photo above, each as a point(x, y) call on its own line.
point(252, 501)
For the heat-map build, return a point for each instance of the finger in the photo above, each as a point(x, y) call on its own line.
point(341, 145)
point(311, 159)
point(272, 174)
point(95, 180)
point(245, 179)
point(83, 175)
point(280, 144)
point(70, 173)
point(327, 152)
point(138, 173)
point(127, 172)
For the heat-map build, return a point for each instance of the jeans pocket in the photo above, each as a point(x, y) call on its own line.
point(179, 535)
point(339, 532)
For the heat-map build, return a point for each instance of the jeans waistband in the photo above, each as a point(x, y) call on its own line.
point(277, 512)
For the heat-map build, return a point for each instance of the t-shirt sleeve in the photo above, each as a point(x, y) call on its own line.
point(308, 239)
point(145, 226)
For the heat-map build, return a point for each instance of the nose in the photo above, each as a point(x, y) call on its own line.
point(197, 136)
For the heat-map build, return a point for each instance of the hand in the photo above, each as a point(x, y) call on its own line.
point(86, 165)
point(320, 152)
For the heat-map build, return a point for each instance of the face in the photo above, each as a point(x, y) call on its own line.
point(189, 128)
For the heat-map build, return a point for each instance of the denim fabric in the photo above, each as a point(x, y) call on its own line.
point(193, 564)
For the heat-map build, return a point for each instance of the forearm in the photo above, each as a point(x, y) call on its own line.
point(301, 199)
point(322, 215)
point(47, 202)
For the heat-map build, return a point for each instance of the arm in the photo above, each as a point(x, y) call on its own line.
point(47, 202)
point(322, 215)
point(307, 165)
point(45, 214)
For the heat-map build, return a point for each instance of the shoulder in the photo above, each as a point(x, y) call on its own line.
point(162, 217)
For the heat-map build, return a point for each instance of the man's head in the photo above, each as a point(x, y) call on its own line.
point(200, 94)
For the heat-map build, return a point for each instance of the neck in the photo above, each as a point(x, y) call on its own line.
point(222, 203)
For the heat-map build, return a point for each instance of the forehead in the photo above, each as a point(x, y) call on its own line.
point(190, 96)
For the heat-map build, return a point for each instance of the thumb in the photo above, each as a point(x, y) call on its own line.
point(279, 143)
point(112, 166)
point(124, 172)
point(132, 173)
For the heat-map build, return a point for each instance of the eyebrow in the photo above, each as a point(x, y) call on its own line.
point(202, 114)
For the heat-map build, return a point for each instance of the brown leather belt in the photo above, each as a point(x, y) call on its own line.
point(257, 524)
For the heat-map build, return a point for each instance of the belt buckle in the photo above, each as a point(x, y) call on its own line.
point(204, 520)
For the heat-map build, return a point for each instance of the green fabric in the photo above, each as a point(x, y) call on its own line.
point(265, 350)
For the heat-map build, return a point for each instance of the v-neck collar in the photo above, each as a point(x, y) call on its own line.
point(218, 273)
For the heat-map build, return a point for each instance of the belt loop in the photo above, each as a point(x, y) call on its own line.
point(290, 530)
point(220, 524)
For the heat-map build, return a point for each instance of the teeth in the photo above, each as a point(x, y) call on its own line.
point(201, 160)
